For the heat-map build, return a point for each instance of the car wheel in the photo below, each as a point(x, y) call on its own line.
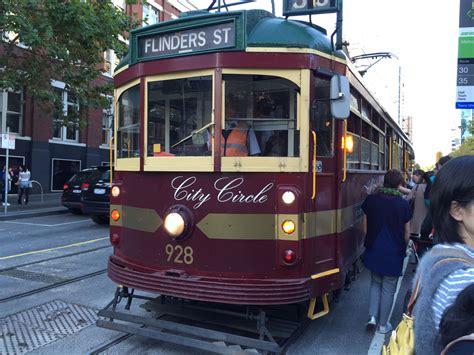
point(75, 210)
point(100, 219)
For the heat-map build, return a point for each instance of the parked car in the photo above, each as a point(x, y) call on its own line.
point(95, 197)
point(72, 189)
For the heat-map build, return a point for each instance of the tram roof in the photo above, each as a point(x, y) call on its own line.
point(253, 28)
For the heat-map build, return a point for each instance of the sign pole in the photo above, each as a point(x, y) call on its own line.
point(6, 175)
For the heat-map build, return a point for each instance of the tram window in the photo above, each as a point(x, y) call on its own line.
point(179, 117)
point(260, 116)
point(365, 110)
point(355, 103)
point(321, 118)
point(128, 130)
point(353, 124)
point(365, 148)
point(354, 157)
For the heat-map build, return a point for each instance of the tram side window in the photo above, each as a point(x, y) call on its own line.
point(353, 129)
point(260, 116)
point(179, 117)
point(365, 145)
point(321, 118)
point(128, 130)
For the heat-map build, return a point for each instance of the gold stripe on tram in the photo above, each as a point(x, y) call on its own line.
point(229, 226)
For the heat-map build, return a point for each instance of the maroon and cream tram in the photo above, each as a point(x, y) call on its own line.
point(276, 221)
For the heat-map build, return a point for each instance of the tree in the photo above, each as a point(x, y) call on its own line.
point(61, 40)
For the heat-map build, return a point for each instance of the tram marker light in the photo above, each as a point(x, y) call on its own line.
point(348, 143)
point(114, 239)
point(115, 191)
point(288, 226)
point(115, 215)
point(288, 197)
point(289, 256)
point(174, 224)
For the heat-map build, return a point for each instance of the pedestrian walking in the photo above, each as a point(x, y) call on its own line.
point(387, 227)
point(449, 267)
point(24, 184)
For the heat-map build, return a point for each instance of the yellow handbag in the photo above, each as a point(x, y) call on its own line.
point(402, 340)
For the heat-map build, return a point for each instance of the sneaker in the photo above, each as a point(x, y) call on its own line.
point(371, 323)
point(384, 329)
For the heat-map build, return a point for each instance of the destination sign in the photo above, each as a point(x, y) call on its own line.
point(194, 40)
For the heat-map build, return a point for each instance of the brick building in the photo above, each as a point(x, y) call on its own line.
point(53, 152)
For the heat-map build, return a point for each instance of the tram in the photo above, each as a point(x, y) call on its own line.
point(236, 180)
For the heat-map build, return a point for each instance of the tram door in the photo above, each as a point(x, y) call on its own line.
point(323, 129)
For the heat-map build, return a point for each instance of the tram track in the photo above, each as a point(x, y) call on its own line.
point(52, 286)
point(54, 258)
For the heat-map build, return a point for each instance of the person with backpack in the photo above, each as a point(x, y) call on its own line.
point(456, 330)
point(449, 267)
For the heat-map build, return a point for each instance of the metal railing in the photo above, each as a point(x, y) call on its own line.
point(41, 188)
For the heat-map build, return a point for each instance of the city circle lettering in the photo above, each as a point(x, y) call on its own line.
point(225, 190)
point(212, 37)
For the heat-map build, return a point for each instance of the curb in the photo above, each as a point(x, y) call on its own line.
point(33, 213)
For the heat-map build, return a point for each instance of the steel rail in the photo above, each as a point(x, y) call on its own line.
point(55, 285)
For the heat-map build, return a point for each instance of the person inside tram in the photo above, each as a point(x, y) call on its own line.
point(239, 138)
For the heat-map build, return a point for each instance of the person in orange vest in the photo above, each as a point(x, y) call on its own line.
point(241, 140)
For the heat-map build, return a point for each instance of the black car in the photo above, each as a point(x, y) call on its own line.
point(95, 197)
point(72, 189)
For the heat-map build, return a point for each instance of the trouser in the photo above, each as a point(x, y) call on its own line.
point(2, 186)
point(382, 290)
point(20, 195)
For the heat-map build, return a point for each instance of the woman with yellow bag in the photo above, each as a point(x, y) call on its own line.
point(449, 267)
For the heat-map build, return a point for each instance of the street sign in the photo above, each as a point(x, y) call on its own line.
point(8, 141)
point(465, 76)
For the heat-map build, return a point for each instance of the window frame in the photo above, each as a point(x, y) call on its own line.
point(5, 111)
point(63, 129)
point(301, 78)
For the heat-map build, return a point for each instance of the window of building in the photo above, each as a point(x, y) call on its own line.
point(128, 130)
point(11, 111)
point(107, 121)
point(111, 61)
point(151, 15)
point(68, 131)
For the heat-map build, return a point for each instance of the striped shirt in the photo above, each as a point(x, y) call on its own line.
point(452, 285)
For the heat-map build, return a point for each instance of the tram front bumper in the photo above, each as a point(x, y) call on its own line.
point(211, 289)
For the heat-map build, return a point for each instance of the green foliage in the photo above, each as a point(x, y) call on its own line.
point(61, 40)
point(467, 148)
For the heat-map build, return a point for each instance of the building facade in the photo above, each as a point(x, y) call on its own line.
point(54, 152)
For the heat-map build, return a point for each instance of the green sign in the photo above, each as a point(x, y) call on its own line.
point(465, 75)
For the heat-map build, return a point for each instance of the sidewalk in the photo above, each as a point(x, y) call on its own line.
point(51, 204)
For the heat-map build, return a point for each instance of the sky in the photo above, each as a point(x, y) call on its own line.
point(423, 34)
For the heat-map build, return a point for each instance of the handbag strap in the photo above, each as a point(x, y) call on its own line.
point(416, 290)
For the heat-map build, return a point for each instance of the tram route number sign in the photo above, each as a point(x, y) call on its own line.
point(465, 74)
point(194, 40)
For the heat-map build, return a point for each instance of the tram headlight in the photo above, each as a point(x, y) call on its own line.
point(288, 226)
point(174, 224)
point(288, 197)
point(115, 191)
